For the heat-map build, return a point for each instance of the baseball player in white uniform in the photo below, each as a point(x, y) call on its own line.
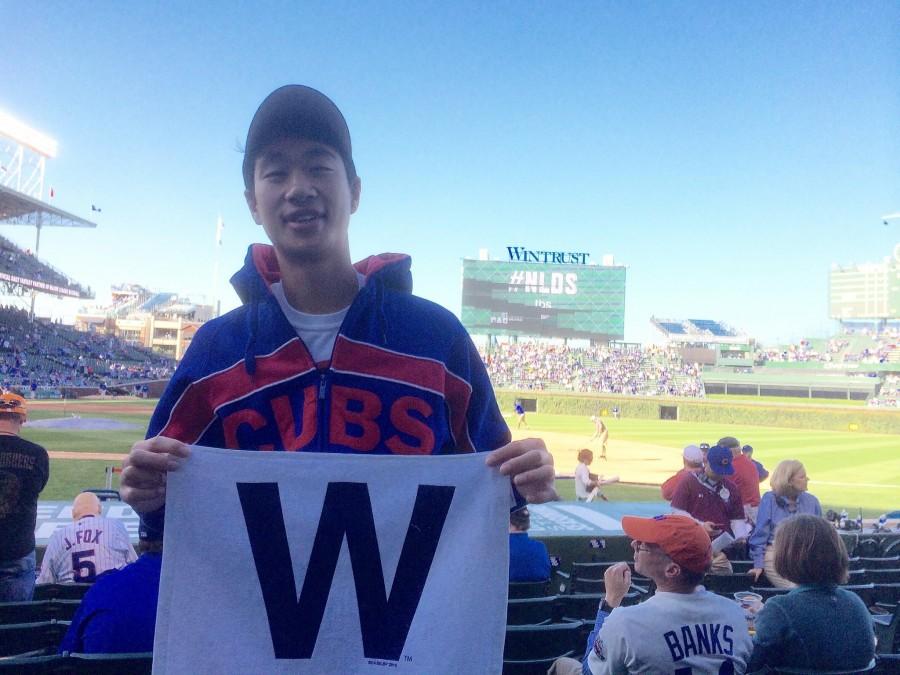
point(91, 545)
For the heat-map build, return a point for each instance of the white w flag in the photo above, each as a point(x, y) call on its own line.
point(279, 562)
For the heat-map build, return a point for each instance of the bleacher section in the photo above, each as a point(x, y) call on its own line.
point(653, 371)
point(698, 331)
point(48, 356)
point(20, 264)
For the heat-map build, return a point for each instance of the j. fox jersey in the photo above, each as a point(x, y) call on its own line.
point(80, 552)
point(674, 634)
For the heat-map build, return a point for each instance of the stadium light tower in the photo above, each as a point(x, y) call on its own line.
point(23, 159)
point(23, 156)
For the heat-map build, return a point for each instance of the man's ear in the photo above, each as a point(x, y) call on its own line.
point(250, 196)
point(355, 189)
point(672, 570)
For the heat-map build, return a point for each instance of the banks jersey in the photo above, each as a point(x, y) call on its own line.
point(80, 552)
point(674, 634)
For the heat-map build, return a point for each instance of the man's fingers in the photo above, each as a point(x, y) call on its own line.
point(539, 476)
point(515, 450)
point(135, 477)
point(531, 459)
point(163, 445)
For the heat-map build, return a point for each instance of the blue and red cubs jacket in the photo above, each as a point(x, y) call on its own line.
point(404, 376)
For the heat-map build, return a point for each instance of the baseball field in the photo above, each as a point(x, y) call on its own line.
point(847, 469)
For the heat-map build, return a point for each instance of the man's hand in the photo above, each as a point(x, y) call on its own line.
point(143, 484)
point(617, 581)
point(756, 573)
point(530, 467)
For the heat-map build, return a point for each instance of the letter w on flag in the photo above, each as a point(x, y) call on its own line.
point(389, 552)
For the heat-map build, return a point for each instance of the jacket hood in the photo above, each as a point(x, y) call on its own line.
point(261, 270)
point(253, 281)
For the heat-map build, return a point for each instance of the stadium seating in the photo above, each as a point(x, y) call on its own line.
point(60, 591)
point(528, 589)
point(37, 610)
point(34, 665)
point(535, 611)
point(887, 632)
point(34, 639)
point(79, 664)
point(44, 355)
point(528, 649)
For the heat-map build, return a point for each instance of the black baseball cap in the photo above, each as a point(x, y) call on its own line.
point(296, 110)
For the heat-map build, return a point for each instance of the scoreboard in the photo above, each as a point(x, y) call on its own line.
point(543, 300)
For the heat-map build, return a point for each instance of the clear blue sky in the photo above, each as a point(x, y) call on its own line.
point(727, 154)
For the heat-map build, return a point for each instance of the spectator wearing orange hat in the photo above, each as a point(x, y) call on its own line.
point(683, 626)
point(24, 470)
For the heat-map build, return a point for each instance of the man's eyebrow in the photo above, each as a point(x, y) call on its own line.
point(316, 153)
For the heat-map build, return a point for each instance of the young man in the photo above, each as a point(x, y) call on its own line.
point(683, 626)
point(24, 470)
point(745, 477)
point(90, 546)
point(692, 459)
point(324, 355)
point(715, 502)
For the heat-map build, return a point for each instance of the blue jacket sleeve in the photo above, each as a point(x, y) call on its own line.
point(592, 637)
point(760, 535)
point(772, 632)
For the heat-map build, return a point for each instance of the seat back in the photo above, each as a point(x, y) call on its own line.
point(37, 610)
point(530, 611)
point(890, 562)
point(40, 637)
point(781, 670)
point(60, 591)
point(728, 584)
point(884, 575)
point(112, 664)
point(525, 643)
point(528, 589)
point(34, 665)
point(888, 633)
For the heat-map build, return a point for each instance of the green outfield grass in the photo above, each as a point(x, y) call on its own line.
point(847, 469)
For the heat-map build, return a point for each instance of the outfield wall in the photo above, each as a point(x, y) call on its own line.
point(831, 418)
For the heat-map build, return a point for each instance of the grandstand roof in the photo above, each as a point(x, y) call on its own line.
point(17, 208)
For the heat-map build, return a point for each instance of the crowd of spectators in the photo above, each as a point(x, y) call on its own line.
point(40, 355)
point(22, 263)
point(650, 371)
point(889, 395)
point(836, 350)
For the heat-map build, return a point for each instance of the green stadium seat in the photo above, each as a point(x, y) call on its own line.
point(60, 591)
point(889, 664)
point(528, 589)
point(741, 566)
point(529, 643)
point(580, 606)
point(34, 665)
point(887, 594)
point(882, 576)
point(37, 610)
point(728, 584)
point(37, 638)
point(111, 664)
point(531, 611)
point(886, 632)
point(890, 562)
point(532, 666)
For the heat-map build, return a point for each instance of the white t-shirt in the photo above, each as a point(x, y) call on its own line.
point(318, 331)
point(698, 632)
point(582, 481)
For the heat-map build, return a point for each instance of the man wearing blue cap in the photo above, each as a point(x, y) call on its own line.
point(713, 500)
